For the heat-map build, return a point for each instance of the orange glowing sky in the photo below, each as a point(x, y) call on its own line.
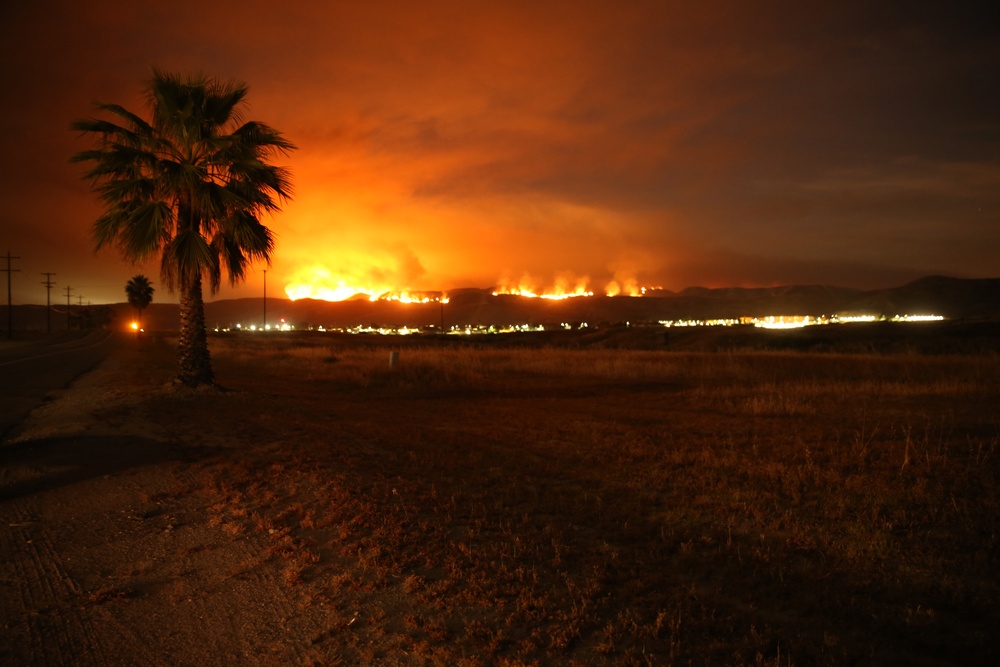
point(472, 144)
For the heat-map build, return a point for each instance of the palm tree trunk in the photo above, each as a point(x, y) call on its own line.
point(196, 365)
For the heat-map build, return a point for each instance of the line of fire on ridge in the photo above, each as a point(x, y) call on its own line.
point(341, 294)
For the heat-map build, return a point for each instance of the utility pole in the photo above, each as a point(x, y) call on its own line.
point(48, 282)
point(265, 300)
point(79, 311)
point(68, 305)
point(9, 307)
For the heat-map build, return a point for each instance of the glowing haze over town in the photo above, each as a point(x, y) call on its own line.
point(552, 149)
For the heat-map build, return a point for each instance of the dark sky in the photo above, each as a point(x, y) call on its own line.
point(453, 144)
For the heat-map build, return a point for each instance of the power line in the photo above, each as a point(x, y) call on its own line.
point(49, 283)
point(69, 306)
point(9, 270)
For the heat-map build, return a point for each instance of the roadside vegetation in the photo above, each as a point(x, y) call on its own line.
point(500, 506)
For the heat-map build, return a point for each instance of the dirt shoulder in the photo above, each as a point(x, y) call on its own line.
point(107, 555)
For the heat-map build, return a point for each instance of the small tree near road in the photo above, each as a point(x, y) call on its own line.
point(140, 294)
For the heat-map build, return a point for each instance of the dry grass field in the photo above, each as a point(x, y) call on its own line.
point(496, 505)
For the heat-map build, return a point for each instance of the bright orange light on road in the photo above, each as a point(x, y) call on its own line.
point(135, 326)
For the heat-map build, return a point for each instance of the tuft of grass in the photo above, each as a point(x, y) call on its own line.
point(108, 593)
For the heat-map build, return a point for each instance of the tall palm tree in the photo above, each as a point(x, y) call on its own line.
point(140, 293)
point(191, 185)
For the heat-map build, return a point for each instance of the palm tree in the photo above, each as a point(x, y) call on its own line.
point(140, 293)
point(191, 185)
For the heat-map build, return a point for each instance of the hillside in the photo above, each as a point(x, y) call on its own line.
point(954, 298)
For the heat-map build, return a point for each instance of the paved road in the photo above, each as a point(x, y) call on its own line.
point(31, 371)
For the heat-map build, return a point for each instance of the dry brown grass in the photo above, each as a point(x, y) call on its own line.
point(479, 506)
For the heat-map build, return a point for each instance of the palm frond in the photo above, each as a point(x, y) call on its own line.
point(87, 156)
point(261, 187)
point(148, 230)
point(120, 162)
point(241, 240)
point(221, 254)
point(127, 189)
point(138, 229)
point(186, 256)
point(99, 126)
point(139, 125)
point(265, 139)
point(247, 232)
point(107, 226)
point(223, 105)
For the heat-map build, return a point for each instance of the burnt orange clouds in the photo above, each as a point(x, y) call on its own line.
point(464, 144)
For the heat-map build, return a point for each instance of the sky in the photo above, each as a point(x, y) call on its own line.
point(542, 144)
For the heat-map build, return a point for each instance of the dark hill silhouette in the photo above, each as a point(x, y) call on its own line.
point(954, 298)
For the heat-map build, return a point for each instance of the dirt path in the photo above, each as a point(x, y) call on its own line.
point(107, 551)
point(31, 369)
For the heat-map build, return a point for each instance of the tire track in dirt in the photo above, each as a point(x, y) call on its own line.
point(128, 567)
point(107, 551)
point(57, 632)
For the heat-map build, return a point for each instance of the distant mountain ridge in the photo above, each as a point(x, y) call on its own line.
point(954, 298)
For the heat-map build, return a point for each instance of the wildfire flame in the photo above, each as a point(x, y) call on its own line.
point(628, 287)
point(414, 297)
point(568, 288)
point(556, 293)
point(340, 292)
point(320, 284)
